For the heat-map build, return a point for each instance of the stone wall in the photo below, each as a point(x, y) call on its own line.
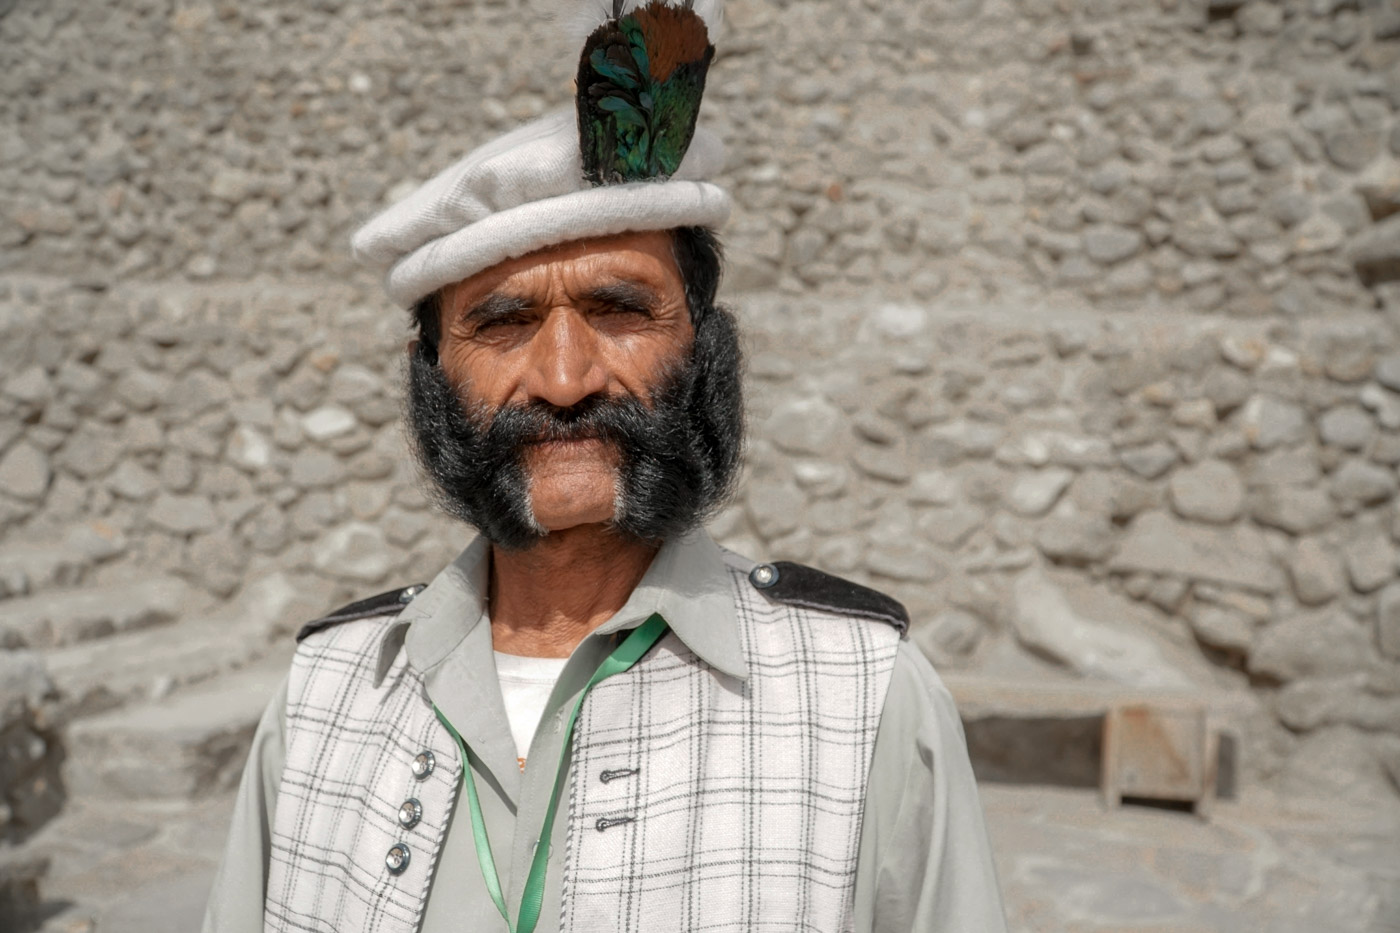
point(1214, 154)
point(1068, 322)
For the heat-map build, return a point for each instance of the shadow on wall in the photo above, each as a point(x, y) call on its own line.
point(1059, 752)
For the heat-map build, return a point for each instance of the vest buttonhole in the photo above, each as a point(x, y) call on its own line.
point(606, 823)
point(618, 773)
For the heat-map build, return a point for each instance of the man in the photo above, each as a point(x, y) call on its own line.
point(596, 719)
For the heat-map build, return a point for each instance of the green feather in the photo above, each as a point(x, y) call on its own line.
point(633, 127)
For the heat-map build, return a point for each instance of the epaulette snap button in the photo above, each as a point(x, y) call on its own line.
point(763, 576)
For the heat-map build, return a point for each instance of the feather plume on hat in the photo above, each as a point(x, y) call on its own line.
point(628, 159)
point(640, 81)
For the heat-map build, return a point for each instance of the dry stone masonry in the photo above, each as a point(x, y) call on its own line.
point(1070, 323)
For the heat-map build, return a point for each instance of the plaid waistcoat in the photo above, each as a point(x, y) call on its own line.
point(697, 800)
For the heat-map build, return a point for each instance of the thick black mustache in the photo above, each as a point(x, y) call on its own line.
point(613, 418)
point(678, 450)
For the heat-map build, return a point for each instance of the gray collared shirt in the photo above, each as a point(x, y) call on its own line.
point(924, 860)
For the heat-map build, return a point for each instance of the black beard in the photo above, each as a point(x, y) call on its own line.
point(678, 452)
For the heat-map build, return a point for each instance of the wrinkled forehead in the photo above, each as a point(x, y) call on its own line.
point(646, 259)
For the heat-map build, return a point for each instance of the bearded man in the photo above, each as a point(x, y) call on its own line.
point(595, 718)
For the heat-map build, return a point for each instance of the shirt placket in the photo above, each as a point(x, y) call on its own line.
point(537, 783)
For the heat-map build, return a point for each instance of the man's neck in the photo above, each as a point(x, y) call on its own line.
point(547, 599)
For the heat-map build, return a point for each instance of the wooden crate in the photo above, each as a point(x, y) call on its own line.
point(1164, 752)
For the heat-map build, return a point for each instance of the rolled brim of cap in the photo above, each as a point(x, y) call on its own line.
point(528, 228)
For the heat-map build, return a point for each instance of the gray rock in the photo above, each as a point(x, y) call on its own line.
point(934, 487)
point(952, 634)
point(69, 616)
point(1046, 623)
point(194, 734)
point(1150, 460)
point(1387, 371)
point(328, 422)
point(90, 452)
point(1349, 357)
point(30, 568)
point(1294, 509)
point(1353, 148)
point(1306, 705)
point(1209, 491)
point(811, 426)
point(25, 473)
point(775, 507)
point(1324, 644)
point(949, 527)
point(1380, 188)
point(1158, 544)
point(1222, 628)
point(140, 390)
point(1318, 234)
point(1226, 388)
point(1109, 243)
point(132, 481)
point(1388, 622)
point(1385, 404)
point(821, 478)
point(1289, 207)
point(914, 563)
point(964, 438)
point(315, 469)
point(182, 515)
point(31, 386)
point(357, 551)
point(1363, 482)
point(1316, 573)
point(1034, 494)
point(1370, 561)
point(881, 462)
point(1291, 466)
point(267, 530)
point(352, 384)
point(1376, 252)
point(24, 683)
point(1077, 540)
point(1269, 421)
point(249, 448)
point(1199, 231)
point(1346, 426)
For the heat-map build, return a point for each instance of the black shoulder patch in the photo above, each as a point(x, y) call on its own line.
point(798, 585)
point(390, 603)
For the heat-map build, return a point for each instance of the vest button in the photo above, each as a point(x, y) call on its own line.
point(410, 813)
point(408, 593)
point(397, 859)
point(423, 765)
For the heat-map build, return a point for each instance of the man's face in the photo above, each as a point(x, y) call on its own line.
point(574, 377)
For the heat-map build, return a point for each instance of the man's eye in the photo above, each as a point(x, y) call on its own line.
point(617, 308)
point(500, 323)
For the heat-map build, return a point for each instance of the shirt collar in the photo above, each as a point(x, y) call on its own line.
point(687, 584)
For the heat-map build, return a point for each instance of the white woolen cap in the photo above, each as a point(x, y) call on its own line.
point(523, 192)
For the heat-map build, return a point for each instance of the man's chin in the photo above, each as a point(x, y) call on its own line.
point(574, 499)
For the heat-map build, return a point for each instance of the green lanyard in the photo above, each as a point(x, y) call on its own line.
point(622, 658)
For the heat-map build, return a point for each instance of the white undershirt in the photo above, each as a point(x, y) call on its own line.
point(525, 686)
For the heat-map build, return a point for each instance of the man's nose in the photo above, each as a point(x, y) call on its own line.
point(565, 364)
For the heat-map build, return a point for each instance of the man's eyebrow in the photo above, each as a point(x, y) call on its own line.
point(624, 294)
point(496, 306)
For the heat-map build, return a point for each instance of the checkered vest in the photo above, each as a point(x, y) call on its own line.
point(697, 800)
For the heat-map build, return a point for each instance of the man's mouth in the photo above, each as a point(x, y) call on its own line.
point(545, 440)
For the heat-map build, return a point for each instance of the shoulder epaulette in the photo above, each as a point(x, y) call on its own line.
point(798, 585)
point(385, 604)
